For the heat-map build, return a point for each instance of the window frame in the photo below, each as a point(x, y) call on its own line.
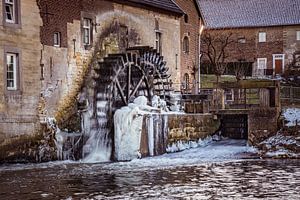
point(298, 35)
point(229, 93)
point(262, 59)
point(58, 44)
point(262, 37)
point(89, 29)
point(13, 11)
point(14, 78)
point(16, 23)
point(18, 87)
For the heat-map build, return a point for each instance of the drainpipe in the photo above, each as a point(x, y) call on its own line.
point(200, 55)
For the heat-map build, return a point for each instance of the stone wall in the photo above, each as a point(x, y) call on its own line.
point(66, 67)
point(166, 129)
point(262, 124)
point(19, 109)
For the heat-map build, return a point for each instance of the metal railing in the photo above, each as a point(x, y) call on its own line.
point(263, 73)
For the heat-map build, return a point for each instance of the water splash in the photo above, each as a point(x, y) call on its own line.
point(98, 147)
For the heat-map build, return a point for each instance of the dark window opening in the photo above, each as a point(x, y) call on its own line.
point(186, 18)
point(158, 42)
point(186, 44)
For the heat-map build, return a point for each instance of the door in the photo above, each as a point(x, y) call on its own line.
point(278, 63)
point(278, 67)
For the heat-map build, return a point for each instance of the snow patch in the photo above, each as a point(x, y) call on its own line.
point(292, 116)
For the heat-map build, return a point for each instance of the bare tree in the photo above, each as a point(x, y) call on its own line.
point(214, 49)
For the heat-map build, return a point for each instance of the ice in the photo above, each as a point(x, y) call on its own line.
point(292, 116)
point(128, 129)
point(183, 145)
point(208, 150)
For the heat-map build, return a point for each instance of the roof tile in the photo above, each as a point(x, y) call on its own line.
point(249, 13)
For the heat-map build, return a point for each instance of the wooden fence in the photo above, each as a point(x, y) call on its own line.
point(290, 94)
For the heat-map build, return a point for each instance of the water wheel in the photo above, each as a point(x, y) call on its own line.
point(119, 79)
point(140, 71)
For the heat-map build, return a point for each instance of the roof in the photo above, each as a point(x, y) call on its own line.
point(249, 13)
point(166, 5)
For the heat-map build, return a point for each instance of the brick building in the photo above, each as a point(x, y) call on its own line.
point(265, 33)
point(190, 35)
point(51, 49)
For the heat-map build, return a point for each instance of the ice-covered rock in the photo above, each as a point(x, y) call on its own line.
point(281, 145)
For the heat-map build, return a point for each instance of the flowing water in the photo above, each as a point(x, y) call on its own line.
point(98, 146)
point(213, 171)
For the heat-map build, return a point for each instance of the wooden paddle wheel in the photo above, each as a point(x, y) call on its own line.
point(120, 78)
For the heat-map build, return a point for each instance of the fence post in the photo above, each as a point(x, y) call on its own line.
point(291, 94)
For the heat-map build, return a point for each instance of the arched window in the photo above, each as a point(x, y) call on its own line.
point(186, 45)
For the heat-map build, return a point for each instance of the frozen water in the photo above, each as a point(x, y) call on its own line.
point(128, 129)
point(206, 151)
point(128, 123)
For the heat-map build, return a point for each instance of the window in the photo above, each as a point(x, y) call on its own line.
point(229, 95)
point(186, 45)
point(10, 13)
point(262, 63)
point(241, 40)
point(56, 39)
point(262, 37)
point(186, 81)
point(11, 71)
point(158, 43)
point(298, 35)
point(156, 24)
point(87, 31)
point(186, 18)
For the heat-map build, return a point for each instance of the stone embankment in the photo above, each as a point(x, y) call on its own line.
point(35, 148)
point(286, 143)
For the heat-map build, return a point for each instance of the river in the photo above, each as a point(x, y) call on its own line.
point(216, 170)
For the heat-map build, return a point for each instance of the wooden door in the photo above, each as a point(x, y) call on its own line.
point(278, 67)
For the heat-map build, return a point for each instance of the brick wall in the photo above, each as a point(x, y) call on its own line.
point(190, 29)
point(291, 45)
point(252, 49)
point(62, 12)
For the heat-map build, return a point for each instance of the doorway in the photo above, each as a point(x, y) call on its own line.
point(234, 126)
point(278, 64)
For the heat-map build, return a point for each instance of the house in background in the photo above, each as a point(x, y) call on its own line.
point(265, 33)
